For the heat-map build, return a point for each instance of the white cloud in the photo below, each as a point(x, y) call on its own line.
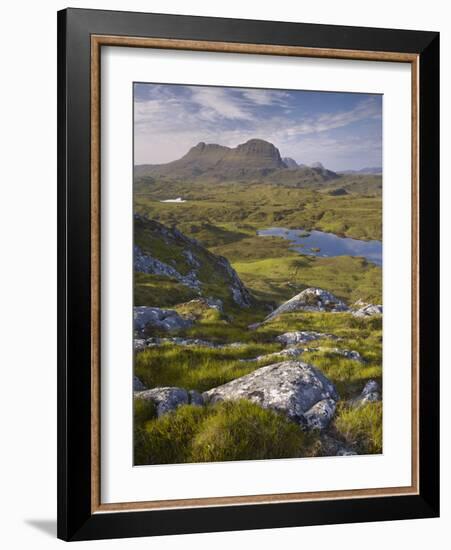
point(167, 124)
point(219, 103)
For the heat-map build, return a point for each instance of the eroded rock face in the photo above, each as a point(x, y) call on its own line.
point(296, 389)
point(240, 293)
point(302, 337)
point(165, 319)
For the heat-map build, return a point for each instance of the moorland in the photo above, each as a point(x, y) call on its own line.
point(211, 313)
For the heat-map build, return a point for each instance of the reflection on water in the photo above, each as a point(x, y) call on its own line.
point(318, 243)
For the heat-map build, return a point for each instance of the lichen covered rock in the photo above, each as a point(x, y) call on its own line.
point(310, 299)
point(290, 387)
point(164, 319)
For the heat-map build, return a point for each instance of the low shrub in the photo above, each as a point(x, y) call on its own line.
point(244, 431)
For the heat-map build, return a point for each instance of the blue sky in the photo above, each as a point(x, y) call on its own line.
point(341, 130)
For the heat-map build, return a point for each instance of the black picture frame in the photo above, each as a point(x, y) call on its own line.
point(76, 521)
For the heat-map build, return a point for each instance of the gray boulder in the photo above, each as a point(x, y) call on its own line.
point(168, 399)
point(362, 309)
point(370, 394)
point(195, 398)
point(165, 319)
point(165, 399)
point(346, 353)
point(139, 344)
point(319, 416)
point(302, 337)
point(290, 387)
point(138, 385)
point(310, 299)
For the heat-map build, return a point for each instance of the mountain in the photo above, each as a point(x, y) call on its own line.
point(255, 160)
point(165, 255)
point(290, 163)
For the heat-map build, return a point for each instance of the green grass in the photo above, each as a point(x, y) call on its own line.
point(159, 291)
point(225, 431)
point(261, 205)
point(280, 278)
point(201, 368)
point(224, 218)
point(361, 427)
point(194, 367)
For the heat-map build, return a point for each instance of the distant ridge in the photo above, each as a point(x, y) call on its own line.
point(372, 170)
point(254, 160)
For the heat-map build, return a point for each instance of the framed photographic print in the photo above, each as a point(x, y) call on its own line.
point(248, 274)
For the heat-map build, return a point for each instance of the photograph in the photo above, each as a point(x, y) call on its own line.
point(257, 262)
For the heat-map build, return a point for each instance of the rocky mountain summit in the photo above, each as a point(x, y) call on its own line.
point(253, 160)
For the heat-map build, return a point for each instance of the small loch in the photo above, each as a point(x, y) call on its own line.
point(319, 243)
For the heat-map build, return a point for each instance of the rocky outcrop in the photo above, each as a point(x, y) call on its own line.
point(143, 343)
point(302, 337)
point(362, 309)
point(310, 299)
point(155, 317)
point(290, 163)
point(240, 294)
point(166, 252)
point(295, 389)
point(168, 399)
point(146, 264)
point(296, 351)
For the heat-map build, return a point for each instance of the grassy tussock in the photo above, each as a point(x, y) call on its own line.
point(226, 431)
point(361, 427)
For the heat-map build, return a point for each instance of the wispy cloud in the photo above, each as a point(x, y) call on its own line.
point(170, 119)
